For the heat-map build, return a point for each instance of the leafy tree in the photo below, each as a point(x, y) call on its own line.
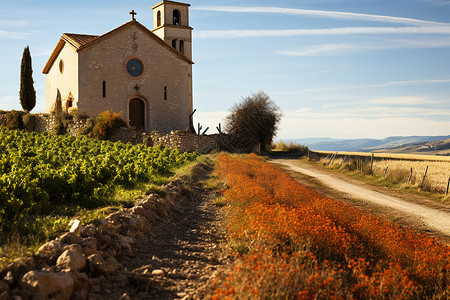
point(27, 93)
point(252, 123)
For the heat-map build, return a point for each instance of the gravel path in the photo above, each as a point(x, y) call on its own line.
point(183, 253)
point(438, 219)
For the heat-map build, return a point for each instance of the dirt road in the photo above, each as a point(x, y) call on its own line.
point(434, 216)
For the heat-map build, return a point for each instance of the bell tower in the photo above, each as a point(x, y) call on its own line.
point(171, 24)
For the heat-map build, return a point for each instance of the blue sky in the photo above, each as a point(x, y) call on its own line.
point(336, 68)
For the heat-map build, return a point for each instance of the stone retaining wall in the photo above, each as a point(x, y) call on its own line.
point(185, 142)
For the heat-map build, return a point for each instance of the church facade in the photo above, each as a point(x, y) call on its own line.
point(146, 75)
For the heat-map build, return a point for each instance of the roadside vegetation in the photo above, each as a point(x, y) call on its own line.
point(291, 242)
point(420, 174)
point(283, 147)
point(47, 179)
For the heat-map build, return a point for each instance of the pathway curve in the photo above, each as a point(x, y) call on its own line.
point(438, 219)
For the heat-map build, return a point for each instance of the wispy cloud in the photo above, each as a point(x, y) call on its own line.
point(367, 112)
point(361, 128)
point(322, 13)
point(377, 85)
point(404, 100)
point(339, 49)
point(326, 31)
point(17, 35)
point(320, 50)
point(13, 23)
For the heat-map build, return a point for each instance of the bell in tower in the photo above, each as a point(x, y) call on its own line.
point(171, 24)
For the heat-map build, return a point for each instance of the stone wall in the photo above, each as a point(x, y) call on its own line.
point(46, 123)
point(188, 142)
point(185, 142)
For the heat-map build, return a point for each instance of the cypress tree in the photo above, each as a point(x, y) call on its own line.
point(27, 93)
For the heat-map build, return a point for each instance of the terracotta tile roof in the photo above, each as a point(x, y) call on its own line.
point(79, 40)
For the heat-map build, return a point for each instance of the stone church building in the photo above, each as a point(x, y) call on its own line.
point(144, 74)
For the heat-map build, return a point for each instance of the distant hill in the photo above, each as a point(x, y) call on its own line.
point(389, 144)
point(431, 147)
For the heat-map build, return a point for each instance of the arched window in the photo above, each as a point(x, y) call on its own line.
point(174, 44)
point(176, 17)
point(158, 18)
point(182, 46)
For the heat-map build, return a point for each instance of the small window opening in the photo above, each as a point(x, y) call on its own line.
point(165, 92)
point(158, 18)
point(182, 46)
point(176, 17)
point(61, 66)
point(174, 44)
point(104, 89)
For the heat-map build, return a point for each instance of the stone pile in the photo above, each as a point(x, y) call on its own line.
point(73, 265)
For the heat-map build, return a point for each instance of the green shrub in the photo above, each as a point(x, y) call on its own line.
point(77, 115)
point(88, 127)
point(291, 148)
point(105, 125)
point(60, 126)
point(14, 119)
point(148, 141)
point(29, 122)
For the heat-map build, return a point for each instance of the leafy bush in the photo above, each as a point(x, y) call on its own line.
point(148, 141)
point(77, 115)
point(29, 122)
point(106, 123)
point(60, 126)
point(88, 127)
point(253, 122)
point(14, 119)
point(291, 148)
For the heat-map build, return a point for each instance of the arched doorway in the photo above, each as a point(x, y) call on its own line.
point(137, 113)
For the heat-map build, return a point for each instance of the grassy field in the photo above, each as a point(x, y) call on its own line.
point(395, 169)
point(291, 242)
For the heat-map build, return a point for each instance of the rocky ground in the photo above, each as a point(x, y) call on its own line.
point(162, 248)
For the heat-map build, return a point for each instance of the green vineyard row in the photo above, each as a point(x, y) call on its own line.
point(41, 170)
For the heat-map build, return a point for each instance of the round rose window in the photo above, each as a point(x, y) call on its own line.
point(134, 67)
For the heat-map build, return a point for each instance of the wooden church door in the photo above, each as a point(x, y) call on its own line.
point(137, 113)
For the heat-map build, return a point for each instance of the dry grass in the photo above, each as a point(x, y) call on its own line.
point(398, 169)
point(290, 148)
point(396, 156)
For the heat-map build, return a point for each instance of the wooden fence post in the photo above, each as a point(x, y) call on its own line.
point(410, 175)
point(371, 164)
point(424, 175)
point(332, 158)
point(448, 185)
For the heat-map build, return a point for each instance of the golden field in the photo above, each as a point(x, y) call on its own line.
point(398, 167)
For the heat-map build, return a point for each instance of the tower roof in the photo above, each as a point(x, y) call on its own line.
point(170, 2)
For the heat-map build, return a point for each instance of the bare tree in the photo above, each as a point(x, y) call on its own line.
point(253, 123)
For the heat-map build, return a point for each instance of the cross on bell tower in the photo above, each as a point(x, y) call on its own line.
point(132, 13)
